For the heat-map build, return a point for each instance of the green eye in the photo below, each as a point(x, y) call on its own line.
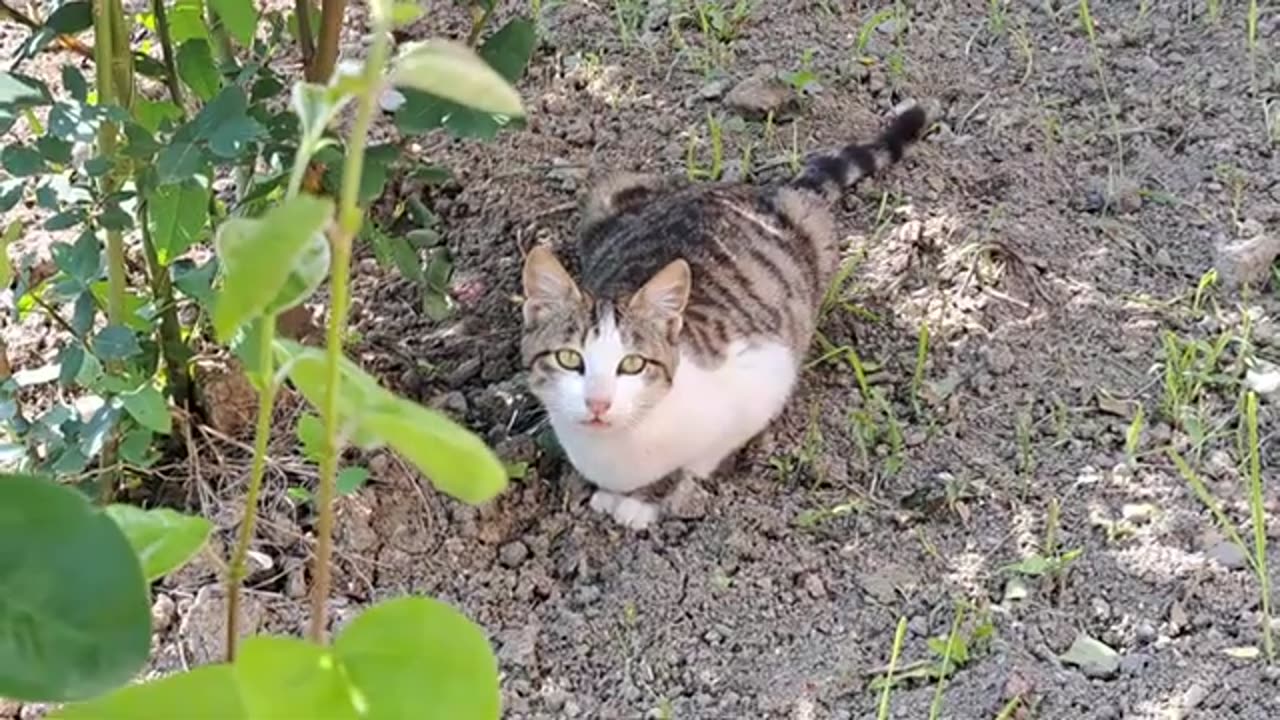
point(569, 360)
point(632, 365)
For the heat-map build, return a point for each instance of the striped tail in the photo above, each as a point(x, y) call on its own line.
point(830, 175)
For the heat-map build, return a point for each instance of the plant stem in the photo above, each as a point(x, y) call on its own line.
point(326, 56)
point(105, 26)
point(341, 238)
point(166, 48)
point(175, 352)
point(306, 36)
point(262, 434)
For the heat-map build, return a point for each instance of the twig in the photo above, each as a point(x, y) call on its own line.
point(166, 50)
point(306, 36)
point(67, 42)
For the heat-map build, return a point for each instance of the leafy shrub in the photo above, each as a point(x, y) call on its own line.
point(139, 176)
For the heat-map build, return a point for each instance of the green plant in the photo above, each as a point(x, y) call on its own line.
point(629, 16)
point(802, 79)
point(1086, 22)
point(882, 710)
point(274, 246)
point(996, 13)
point(1252, 473)
point(694, 170)
point(1050, 562)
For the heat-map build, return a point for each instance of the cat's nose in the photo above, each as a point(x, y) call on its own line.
point(598, 407)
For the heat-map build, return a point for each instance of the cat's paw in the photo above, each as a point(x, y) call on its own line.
point(627, 511)
point(635, 514)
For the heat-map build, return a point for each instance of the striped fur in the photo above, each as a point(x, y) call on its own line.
point(697, 274)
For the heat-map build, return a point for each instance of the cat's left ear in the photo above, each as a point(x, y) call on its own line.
point(665, 295)
point(546, 283)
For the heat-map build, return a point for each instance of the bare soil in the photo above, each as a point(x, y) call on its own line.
point(1045, 237)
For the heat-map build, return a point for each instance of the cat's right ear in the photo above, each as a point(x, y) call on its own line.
point(547, 284)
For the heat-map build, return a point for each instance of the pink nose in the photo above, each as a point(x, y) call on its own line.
point(598, 407)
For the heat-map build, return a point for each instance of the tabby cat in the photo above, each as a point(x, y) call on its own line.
point(682, 336)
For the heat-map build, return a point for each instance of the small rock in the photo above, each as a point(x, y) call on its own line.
point(517, 647)
point(464, 373)
point(1095, 659)
point(513, 554)
point(162, 612)
point(1248, 261)
point(814, 586)
point(453, 402)
point(998, 358)
point(1134, 663)
point(1145, 633)
point(762, 94)
point(713, 90)
point(1101, 609)
point(1228, 555)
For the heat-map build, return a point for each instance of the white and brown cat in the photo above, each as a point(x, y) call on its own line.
point(682, 335)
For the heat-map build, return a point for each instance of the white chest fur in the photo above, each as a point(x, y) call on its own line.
point(706, 416)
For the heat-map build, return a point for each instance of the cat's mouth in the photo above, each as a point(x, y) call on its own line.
point(596, 423)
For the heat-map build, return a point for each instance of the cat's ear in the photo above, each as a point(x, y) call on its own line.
point(546, 283)
point(665, 295)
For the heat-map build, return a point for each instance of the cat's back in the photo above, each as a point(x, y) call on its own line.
point(759, 256)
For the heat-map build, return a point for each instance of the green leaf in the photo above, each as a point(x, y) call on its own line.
point(71, 18)
point(232, 137)
point(400, 651)
point(315, 106)
point(116, 342)
point(177, 215)
point(451, 71)
point(112, 217)
point(95, 432)
point(178, 162)
point(351, 479)
point(64, 220)
point(148, 407)
point(75, 617)
point(74, 83)
point(197, 70)
point(196, 282)
point(164, 539)
point(257, 255)
point(152, 113)
point(70, 360)
point(239, 16)
point(18, 92)
point(186, 21)
point(507, 52)
point(311, 435)
point(7, 237)
point(21, 161)
point(81, 260)
point(54, 149)
point(135, 447)
point(282, 677)
point(455, 460)
point(209, 692)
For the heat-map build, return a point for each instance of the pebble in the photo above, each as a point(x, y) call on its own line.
point(162, 613)
point(1228, 555)
point(761, 94)
point(1134, 663)
point(1145, 633)
point(814, 586)
point(513, 554)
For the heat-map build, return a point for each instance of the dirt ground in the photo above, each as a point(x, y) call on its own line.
point(1044, 240)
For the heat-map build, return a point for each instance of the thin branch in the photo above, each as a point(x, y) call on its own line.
point(166, 49)
point(326, 57)
point(306, 35)
point(66, 42)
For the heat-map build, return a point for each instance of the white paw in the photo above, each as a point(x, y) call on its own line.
point(603, 501)
point(635, 514)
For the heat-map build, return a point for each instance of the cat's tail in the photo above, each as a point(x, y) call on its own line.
point(830, 174)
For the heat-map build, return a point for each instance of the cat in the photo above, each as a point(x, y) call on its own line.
point(683, 334)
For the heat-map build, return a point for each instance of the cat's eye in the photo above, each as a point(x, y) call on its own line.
point(631, 365)
point(569, 360)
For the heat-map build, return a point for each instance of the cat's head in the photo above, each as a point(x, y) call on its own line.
point(600, 363)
